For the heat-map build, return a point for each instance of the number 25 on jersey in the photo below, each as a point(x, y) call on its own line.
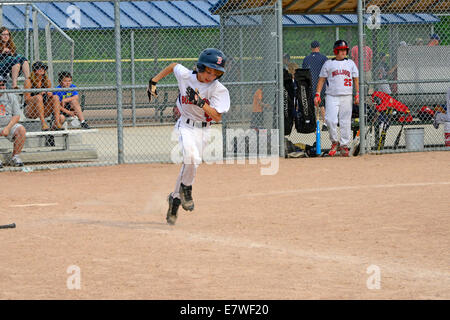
point(348, 82)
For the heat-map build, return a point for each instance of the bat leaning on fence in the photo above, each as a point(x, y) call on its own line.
point(318, 146)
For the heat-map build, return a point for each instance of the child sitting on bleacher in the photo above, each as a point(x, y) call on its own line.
point(70, 104)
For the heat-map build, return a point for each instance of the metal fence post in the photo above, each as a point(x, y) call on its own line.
point(280, 76)
point(362, 94)
point(120, 148)
point(133, 80)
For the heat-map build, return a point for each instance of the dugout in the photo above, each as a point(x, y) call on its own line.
point(384, 25)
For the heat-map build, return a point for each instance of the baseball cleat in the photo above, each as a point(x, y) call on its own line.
point(186, 197)
point(334, 149)
point(345, 152)
point(172, 213)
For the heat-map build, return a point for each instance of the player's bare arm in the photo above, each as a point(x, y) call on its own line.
point(151, 89)
point(216, 116)
point(318, 90)
point(195, 98)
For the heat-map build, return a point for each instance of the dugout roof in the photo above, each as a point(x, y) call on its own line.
point(190, 13)
point(336, 6)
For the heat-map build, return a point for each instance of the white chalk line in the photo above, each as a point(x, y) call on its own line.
point(330, 189)
point(387, 267)
point(33, 205)
point(406, 270)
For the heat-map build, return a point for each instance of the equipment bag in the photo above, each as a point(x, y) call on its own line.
point(305, 118)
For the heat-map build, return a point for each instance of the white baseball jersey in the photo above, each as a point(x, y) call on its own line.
point(339, 76)
point(214, 92)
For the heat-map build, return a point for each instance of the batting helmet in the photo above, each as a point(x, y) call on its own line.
point(340, 45)
point(212, 58)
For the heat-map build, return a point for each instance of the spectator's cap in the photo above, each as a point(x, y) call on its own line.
point(3, 79)
point(435, 36)
point(39, 65)
point(402, 43)
point(315, 44)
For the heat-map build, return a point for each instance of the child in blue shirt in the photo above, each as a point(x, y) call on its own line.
point(70, 104)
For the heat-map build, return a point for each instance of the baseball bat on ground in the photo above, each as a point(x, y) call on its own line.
point(8, 226)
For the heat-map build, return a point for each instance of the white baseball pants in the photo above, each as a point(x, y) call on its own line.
point(339, 109)
point(193, 138)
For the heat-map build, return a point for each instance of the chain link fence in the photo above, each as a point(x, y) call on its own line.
point(403, 62)
point(406, 76)
point(81, 38)
point(84, 38)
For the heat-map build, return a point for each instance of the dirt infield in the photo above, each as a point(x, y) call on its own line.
point(318, 229)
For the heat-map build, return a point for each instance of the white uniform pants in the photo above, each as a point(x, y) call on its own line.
point(193, 138)
point(339, 109)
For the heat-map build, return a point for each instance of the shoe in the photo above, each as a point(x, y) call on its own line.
point(1, 164)
point(435, 124)
point(334, 149)
point(16, 161)
point(186, 197)
point(85, 125)
point(345, 152)
point(172, 213)
point(57, 127)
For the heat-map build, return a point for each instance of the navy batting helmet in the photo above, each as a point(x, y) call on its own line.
point(212, 58)
point(340, 45)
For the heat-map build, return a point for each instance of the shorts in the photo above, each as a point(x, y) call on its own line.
point(44, 97)
point(11, 136)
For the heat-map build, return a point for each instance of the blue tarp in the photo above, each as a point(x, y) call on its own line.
point(173, 14)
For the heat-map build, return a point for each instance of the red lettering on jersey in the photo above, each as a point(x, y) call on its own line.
point(2, 110)
point(343, 72)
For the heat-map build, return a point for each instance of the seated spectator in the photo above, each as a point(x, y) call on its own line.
point(41, 104)
point(70, 104)
point(434, 40)
point(9, 126)
point(17, 61)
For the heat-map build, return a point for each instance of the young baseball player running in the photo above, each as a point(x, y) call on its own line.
point(202, 98)
point(341, 74)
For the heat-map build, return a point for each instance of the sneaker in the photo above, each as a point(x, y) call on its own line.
point(186, 197)
point(85, 125)
point(16, 161)
point(345, 151)
point(1, 164)
point(172, 212)
point(334, 149)
point(435, 124)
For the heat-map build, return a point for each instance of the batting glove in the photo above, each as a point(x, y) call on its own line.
point(194, 97)
point(317, 99)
